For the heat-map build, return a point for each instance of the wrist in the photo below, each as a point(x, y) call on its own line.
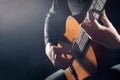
point(114, 43)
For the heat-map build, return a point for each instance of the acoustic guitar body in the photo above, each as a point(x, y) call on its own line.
point(85, 65)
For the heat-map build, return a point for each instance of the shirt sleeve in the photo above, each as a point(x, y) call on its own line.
point(55, 21)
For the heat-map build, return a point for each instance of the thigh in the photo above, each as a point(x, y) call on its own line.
point(59, 75)
point(110, 74)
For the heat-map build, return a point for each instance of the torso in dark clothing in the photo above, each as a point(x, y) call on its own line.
point(64, 8)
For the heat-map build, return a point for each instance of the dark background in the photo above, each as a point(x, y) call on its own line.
point(22, 54)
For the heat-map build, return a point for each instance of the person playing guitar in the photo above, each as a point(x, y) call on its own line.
point(90, 50)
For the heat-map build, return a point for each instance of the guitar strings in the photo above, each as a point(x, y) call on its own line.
point(77, 41)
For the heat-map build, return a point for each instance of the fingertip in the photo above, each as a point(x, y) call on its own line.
point(104, 13)
point(91, 16)
point(86, 23)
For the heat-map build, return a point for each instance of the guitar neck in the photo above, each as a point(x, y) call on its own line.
point(97, 7)
point(82, 40)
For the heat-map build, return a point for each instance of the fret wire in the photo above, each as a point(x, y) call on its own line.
point(103, 2)
point(94, 4)
point(99, 6)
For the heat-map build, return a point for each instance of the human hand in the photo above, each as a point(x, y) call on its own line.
point(54, 53)
point(104, 34)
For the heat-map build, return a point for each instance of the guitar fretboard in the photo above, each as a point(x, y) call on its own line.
point(97, 6)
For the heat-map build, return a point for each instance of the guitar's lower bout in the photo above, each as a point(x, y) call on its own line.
point(86, 65)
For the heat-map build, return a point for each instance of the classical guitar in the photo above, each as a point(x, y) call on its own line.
point(87, 54)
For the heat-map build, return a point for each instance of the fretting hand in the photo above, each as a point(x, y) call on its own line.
point(104, 34)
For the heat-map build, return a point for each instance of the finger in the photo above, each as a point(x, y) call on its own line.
point(66, 53)
point(94, 22)
point(105, 19)
point(98, 25)
point(57, 50)
point(63, 63)
point(86, 24)
point(61, 66)
point(91, 17)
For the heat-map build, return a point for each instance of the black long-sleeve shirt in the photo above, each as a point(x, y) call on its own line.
point(58, 13)
point(55, 21)
point(61, 9)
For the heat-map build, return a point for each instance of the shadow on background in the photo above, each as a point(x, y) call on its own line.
point(22, 55)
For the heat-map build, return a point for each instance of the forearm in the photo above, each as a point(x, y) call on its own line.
point(55, 22)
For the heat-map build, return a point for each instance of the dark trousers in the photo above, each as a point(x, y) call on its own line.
point(111, 74)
